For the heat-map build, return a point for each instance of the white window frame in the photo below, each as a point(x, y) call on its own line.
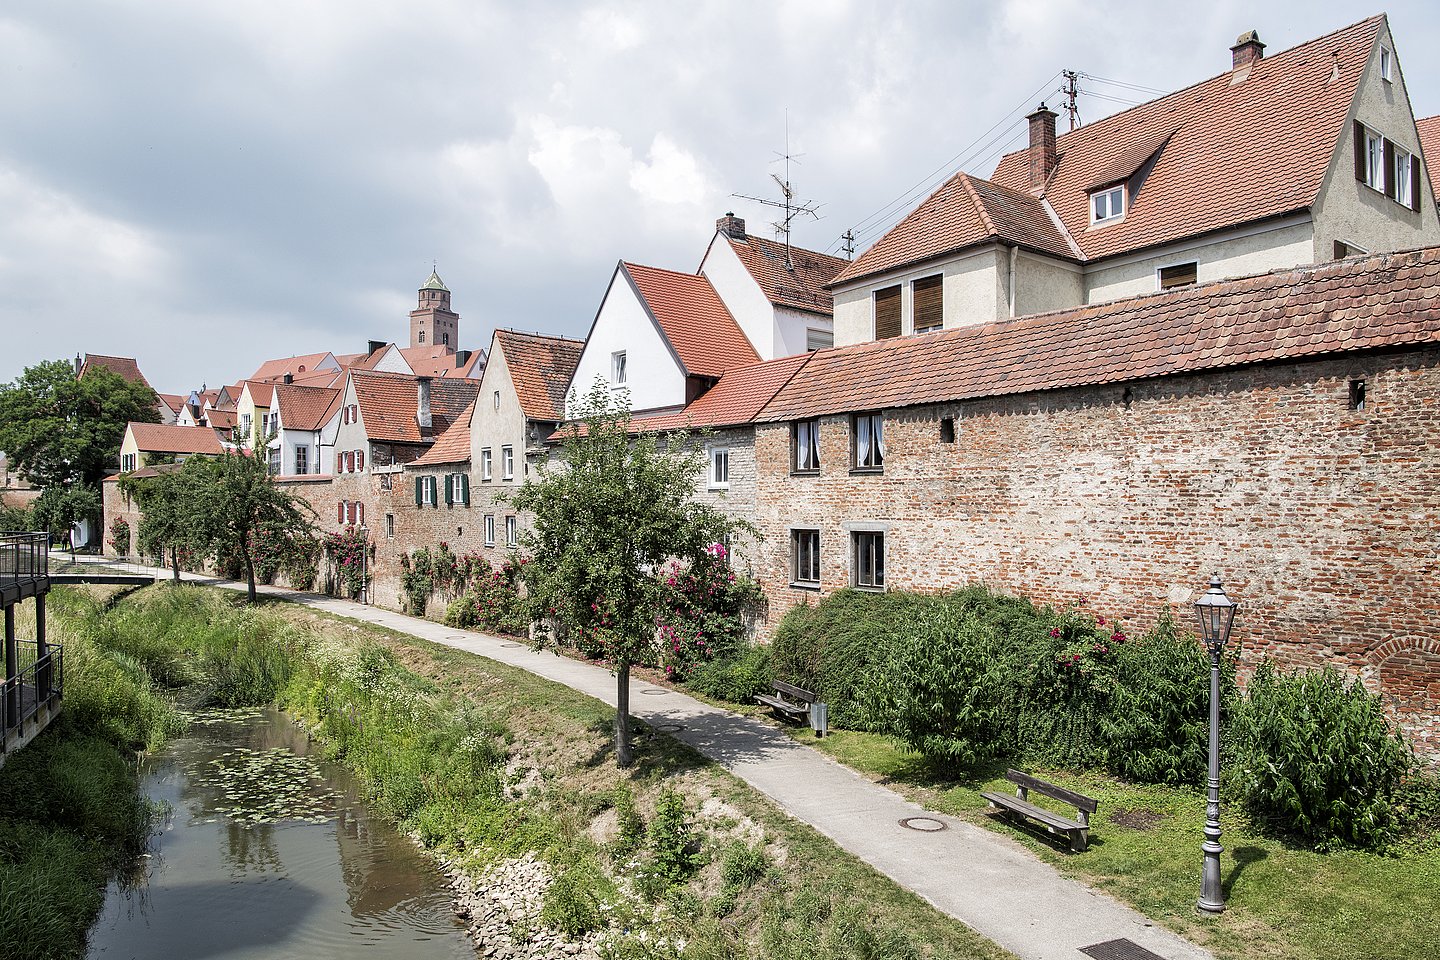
point(390, 526)
point(1403, 174)
point(497, 399)
point(490, 530)
point(428, 488)
point(867, 432)
point(302, 459)
point(719, 468)
point(796, 578)
point(512, 532)
point(486, 465)
point(805, 437)
point(1374, 160)
point(861, 542)
point(507, 462)
point(1387, 65)
point(1115, 203)
point(618, 373)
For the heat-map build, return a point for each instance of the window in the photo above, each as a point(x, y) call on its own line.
point(390, 525)
point(360, 460)
point(490, 530)
point(617, 368)
point(272, 462)
point(1374, 173)
point(497, 399)
point(1179, 275)
point(1357, 394)
point(1107, 205)
point(805, 446)
point(444, 339)
point(1387, 167)
point(387, 482)
point(1387, 67)
point(1401, 166)
point(422, 336)
point(867, 435)
point(348, 463)
point(927, 294)
point(485, 465)
point(512, 532)
point(245, 424)
point(869, 560)
point(127, 463)
point(425, 488)
point(805, 558)
point(507, 463)
point(719, 468)
point(887, 313)
point(302, 459)
point(818, 339)
point(947, 429)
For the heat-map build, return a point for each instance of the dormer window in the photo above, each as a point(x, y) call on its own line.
point(1107, 205)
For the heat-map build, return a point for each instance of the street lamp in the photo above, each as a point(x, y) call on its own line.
point(1216, 613)
point(364, 564)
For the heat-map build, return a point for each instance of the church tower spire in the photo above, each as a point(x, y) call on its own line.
point(432, 322)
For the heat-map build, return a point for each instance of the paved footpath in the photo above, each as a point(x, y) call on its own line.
point(984, 880)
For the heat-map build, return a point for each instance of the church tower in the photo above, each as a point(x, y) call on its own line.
point(432, 322)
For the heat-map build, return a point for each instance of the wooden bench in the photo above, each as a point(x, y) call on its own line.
point(1078, 829)
point(797, 706)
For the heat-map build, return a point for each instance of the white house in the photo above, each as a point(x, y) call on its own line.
point(306, 421)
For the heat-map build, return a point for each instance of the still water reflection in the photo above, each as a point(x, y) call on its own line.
point(269, 852)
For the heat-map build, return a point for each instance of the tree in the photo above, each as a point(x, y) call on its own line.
point(59, 508)
point(606, 518)
point(230, 499)
point(166, 516)
point(58, 429)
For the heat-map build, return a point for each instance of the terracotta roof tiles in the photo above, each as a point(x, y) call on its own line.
point(1429, 129)
point(452, 446)
point(389, 402)
point(541, 368)
point(123, 366)
point(801, 285)
point(305, 408)
point(169, 438)
point(295, 366)
point(695, 320)
point(736, 398)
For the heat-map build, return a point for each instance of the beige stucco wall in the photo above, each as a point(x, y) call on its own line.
point(496, 425)
point(1347, 209)
point(974, 292)
point(1042, 283)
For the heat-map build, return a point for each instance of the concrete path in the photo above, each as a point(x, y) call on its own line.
point(984, 880)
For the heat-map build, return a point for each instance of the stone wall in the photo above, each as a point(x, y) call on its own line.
point(1324, 521)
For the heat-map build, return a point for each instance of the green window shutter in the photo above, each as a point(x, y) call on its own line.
point(434, 486)
point(449, 489)
point(419, 491)
point(465, 489)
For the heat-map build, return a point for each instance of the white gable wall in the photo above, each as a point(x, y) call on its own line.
point(393, 361)
point(746, 301)
point(655, 378)
point(792, 328)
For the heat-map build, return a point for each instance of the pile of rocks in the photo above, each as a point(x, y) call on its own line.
point(502, 912)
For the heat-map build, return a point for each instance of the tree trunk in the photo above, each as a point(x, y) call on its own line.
point(622, 714)
point(249, 573)
point(175, 563)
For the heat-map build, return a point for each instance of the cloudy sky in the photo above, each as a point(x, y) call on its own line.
point(204, 184)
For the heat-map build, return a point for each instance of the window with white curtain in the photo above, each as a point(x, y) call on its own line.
point(805, 446)
point(867, 431)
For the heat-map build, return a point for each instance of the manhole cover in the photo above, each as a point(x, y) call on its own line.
point(670, 727)
point(654, 692)
point(458, 636)
point(1119, 950)
point(923, 824)
point(512, 643)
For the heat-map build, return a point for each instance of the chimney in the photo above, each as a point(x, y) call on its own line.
point(462, 357)
point(422, 409)
point(375, 345)
point(289, 378)
point(1042, 145)
point(731, 225)
point(1247, 50)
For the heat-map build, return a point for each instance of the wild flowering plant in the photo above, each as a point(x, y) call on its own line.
point(348, 552)
point(120, 537)
point(705, 612)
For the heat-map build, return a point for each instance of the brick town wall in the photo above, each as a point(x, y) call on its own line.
point(1323, 521)
point(116, 505)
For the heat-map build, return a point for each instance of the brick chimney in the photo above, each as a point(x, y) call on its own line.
point(1247, 50)
point(1042, 145)
point(732, 226)
point(373, 345)
point(289, 378)
point(422, 408)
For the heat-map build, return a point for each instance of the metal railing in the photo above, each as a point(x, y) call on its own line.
point(24, 556)
point(39, 683)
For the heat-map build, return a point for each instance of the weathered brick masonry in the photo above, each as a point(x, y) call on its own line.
point(1324, 521)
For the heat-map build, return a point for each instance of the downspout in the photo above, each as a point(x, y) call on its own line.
point(1010, 282)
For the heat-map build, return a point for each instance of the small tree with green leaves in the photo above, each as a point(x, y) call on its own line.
point(233, 498)
point(606, 520)
point(167, 514)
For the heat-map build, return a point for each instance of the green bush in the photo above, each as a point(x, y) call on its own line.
point(1312, 753)
point(573, 902)
point(737, 679)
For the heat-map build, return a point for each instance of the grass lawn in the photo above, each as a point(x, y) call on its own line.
point(1283, 901)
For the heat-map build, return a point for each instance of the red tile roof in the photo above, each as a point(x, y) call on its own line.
point(220, 419)
point(262, 393)
point(541, 368)
point(123, 366)
point(965, 211)
point(168, 438)
point(388, 404)
point(452, 446)
point(295, 366)
point(701, 330)
point(736, 398)
point(305, 408)
point(1236, 152)
point(1430, 150)
point(172, 400)
point(801, 286)
point(323, 379)
point(1347, 305)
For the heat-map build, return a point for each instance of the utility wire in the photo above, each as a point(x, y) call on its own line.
point(1106, 96)
point(1121, 83)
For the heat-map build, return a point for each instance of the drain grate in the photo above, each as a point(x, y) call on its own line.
point(1121, 949)
point(923, 824)
point(670, 727)
point(654, 692)
point(511, 644)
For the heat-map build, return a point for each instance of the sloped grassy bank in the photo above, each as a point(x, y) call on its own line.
point(509, 779)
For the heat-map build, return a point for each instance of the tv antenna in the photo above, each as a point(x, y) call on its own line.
point(1071, 93)
point(791, 207)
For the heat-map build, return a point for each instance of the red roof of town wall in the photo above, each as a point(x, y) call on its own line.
point(452, 446)
point(169, 438)
point(736, 398)
point(541, 368)
point(695, 320)
point(122, 366)
point(1429, 129)
point(801, 285)
point(389, 401)
point(1387, 300)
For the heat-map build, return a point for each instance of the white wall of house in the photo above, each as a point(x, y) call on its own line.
point(974, 292)
point(349, 436)
point(653, 373)
point(1042, 283)
point(746, 301)
point(393, 361)
point(498, 422)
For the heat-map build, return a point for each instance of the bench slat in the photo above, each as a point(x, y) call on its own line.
point(779, 704)
point(1077, 800)
point(794, 691)
point(1048, 817)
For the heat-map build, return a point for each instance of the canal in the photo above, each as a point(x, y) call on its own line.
point(263, 849)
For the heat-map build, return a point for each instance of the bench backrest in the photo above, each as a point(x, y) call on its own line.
point(794, 691)
point(1077, 800)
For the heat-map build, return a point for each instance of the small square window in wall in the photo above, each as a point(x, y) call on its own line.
point(887, 313)
point(1178, 275)
point(869, 565)
point(1107, 205)
point(719, 468)
point(867, 436)
point(1357, 394)
point(805, 558)
point(617, 368)
point(818, 339)
point(928, 296)
point(805, 446)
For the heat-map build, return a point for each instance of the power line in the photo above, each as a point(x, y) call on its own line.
point(1106, 96)
point(1121, 83)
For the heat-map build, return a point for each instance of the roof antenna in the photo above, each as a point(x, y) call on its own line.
point(1071, 93)
point(792, 207)
point(849, 244)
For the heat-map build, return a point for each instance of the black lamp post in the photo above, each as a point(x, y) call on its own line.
point(1216, 613)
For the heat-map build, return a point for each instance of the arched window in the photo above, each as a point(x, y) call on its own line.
point(422, 336)
point(445, 339)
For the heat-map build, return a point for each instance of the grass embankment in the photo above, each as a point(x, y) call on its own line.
point(483, 763)
point(1284, 901)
